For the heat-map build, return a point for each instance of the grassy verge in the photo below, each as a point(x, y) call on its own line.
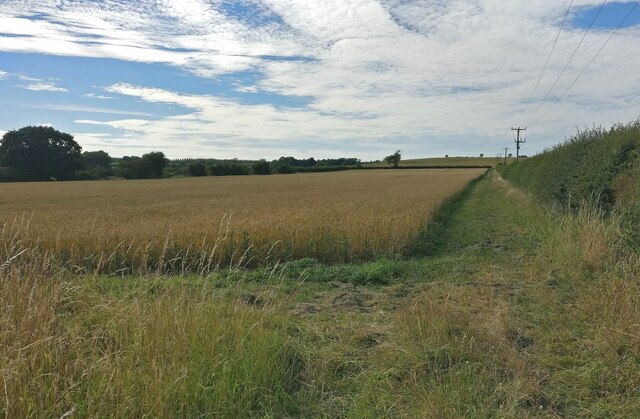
point(510, 309)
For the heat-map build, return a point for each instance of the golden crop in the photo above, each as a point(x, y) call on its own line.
point(194, 224)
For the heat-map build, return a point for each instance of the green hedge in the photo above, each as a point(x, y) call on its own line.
point(596, 166)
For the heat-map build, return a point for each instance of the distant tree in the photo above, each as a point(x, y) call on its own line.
point(40, 153)
point(510, 155)
point(261, 167)
point(131, 167)
point(394, 159)
point(97, 164)
point(197, 169)
point(157, 162)
point(228, 169)
point(481, 154)
point(149, 166)
point(284, 169)
point(446, 156)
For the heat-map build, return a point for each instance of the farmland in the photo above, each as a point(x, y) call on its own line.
point(492, 321)
point(196, 224)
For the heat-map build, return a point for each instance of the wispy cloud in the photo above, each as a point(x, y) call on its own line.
point(96, 96)
point(89, 109)
point(43, 87)
point(95, 134)
point(39, 85)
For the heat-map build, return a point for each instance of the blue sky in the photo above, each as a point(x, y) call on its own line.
point(265, 78)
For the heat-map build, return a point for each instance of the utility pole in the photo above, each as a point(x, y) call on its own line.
point(498, 158)
point(519, 140)
point(505, 154)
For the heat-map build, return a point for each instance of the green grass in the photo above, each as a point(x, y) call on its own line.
point(507, 308)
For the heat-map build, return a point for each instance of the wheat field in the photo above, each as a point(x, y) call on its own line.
point(197, 224)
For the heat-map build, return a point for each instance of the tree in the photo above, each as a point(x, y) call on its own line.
point(394, 159)
point(284, 169)
point(97, 164)
point(197, 169)
point(261, 167)
point(149, 166)
point(157, 162)
point(481, 154)
point(40, 153)
point(228, 169)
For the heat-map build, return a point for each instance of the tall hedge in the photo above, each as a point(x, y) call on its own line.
point(596, 166)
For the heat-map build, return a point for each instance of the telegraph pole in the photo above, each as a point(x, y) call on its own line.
point(505, 154)
point(519, 140)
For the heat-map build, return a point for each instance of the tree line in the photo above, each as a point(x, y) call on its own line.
point(37, 153)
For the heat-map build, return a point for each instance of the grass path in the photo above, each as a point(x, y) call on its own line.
point(500, 319)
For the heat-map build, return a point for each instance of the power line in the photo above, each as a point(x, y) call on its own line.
point(589, 63)
point(570, 59)
point(544, 68)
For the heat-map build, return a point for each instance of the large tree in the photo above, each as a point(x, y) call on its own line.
point(40, 153)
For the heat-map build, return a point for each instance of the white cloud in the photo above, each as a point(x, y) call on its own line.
point(94, 134)
point(246, 89)
point(3, 74)
point(40, 85)
point(97, 96)
point(89, 109)
point(43, 87)
point(377, 73)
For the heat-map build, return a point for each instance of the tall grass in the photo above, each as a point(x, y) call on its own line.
point(74, 347)
point(585, 307)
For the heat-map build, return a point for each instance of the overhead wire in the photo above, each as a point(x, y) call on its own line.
point(544, 68)
point(555, 83)
point(589, 63)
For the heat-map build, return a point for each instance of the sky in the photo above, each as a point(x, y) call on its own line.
point(324, 78)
